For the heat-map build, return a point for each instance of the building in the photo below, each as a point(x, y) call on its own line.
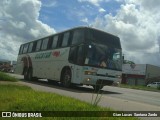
point(140, 74)
point(7, 66)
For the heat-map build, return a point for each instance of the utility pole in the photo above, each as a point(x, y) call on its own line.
point(123, 57)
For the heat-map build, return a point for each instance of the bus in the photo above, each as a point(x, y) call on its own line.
point(78, 56)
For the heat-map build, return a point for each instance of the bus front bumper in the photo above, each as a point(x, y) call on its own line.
point(99, 80)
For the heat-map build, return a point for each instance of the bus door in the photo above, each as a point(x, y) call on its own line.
point(77, 57)
point(77, 74)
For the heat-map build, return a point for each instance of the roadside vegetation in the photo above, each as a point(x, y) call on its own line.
point(5, 77)
point(23, 98)
point(140, 87)
point(14, 97)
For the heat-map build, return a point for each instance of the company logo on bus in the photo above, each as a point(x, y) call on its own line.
point(56, 53)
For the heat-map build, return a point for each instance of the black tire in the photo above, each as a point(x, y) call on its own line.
point(29, 75)
point(34, 78)
point(66, 78)
point(97, 87)
point(25, 74)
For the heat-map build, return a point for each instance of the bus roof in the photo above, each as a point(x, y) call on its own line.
point(78, 27)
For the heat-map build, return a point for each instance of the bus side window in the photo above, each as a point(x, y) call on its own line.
point(73, 54)
point(38, 45)
point(78, 36)
point(25, 48)
point(34, 46)
point(21, 49)
point(76, 55)
point(44, 44)
point(50, 41)
point(30, 47)
point(55, 40)
point(65, 39)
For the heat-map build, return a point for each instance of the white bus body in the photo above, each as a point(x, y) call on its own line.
point(69, 64)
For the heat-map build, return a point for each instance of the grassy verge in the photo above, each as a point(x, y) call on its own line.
point(23, 98)
point(5, 77)
point(139, 87)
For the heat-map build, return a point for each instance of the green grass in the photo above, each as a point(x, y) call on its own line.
point(14, 97)
point(139, 87)
point(23, 98)
point(5, 77)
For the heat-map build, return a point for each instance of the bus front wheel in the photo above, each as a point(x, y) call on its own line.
point(66, 81)
point(97, 87)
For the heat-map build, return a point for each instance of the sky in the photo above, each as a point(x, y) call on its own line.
point(135, 22)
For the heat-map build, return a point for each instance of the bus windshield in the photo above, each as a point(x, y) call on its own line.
point(99, 55)
point(103, 50)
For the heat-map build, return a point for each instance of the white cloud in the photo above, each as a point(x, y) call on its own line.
point(85, 20)
point(50, 3)
point(138, 25)
point(19, 23)
point(101, 10)
point(94, 2)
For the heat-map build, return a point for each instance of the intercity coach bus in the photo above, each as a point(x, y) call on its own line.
point(78, 56)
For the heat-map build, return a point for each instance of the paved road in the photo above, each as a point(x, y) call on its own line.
point(117, 98)
point(148, 97)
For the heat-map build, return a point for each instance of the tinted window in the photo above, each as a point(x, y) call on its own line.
point(100, 55)
point(34, 46)
point(50, 41)
point(30, 47)
point(65, 39)
point(21, 49)
point(80, 55)
point(55, 40)
point(73, 54)
point(103, 38)
point(78, 36)
point(76, 55)
point(25, 48)
point(44, 44)
point(38, 45)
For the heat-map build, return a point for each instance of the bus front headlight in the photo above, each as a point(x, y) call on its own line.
point(89, 73)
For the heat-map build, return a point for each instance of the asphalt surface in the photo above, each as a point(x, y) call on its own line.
point(121, 99)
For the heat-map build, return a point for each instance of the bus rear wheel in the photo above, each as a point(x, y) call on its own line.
point(28, 74)
point(66, 79)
